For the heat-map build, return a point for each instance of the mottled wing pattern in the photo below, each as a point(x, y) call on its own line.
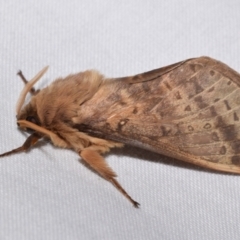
point(191, 113)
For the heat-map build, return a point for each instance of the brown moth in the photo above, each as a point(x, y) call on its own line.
point(189, 110)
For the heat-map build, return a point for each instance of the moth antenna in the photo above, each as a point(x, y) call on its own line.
point(32, 90)
point(30, 141)
point(27, 88)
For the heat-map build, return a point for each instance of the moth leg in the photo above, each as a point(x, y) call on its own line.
point(32, 90)
point(30, 141)
point(98, 163)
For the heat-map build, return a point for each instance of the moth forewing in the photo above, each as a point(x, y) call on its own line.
point(188, 110)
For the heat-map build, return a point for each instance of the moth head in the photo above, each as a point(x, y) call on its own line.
point(29, 114)
point(29, 111)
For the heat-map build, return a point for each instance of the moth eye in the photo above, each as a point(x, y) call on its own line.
point(31, 119)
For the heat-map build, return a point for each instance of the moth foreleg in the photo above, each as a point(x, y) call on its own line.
point(30, 141)
point(98, 163)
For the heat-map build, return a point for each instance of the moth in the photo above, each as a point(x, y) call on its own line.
point(189, 110)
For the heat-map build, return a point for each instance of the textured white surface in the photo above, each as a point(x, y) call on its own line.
point(47, 193)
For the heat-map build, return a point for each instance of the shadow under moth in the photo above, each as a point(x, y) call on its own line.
point(189, 110)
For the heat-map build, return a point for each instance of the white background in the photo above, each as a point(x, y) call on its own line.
point(47, 193)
